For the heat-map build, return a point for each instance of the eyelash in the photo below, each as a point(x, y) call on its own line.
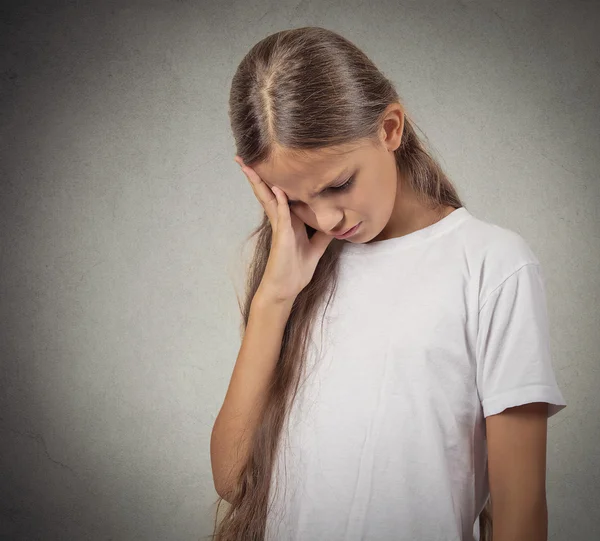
point(341, 188)
point(344, 186)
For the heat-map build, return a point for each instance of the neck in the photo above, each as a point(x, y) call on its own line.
point(410, 213)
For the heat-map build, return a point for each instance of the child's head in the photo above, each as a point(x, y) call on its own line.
point(336, 188)
point(308, 109)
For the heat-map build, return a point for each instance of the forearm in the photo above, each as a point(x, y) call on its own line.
point(244, 400)
point(518, 521)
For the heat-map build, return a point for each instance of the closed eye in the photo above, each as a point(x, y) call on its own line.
point(341, 188)
point(344, 186)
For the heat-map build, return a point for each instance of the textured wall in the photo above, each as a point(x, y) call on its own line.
point(122, 215)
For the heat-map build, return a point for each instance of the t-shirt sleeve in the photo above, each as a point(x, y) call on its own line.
point(514, 364)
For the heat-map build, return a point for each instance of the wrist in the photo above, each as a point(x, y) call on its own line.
point(265, 296)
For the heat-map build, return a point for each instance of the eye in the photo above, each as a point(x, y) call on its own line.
point(344, 186)
point(341, 188)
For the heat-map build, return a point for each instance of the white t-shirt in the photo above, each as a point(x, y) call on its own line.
point(427, 334)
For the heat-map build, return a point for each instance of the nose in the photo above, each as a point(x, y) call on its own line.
point(329, 220)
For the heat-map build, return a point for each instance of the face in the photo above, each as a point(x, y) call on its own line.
point(334, 190)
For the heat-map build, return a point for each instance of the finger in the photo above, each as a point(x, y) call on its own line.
point(263, 193)
point(283, 209)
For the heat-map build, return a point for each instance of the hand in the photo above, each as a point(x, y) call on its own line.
point(293, 257)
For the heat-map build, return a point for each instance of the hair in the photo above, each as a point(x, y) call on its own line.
point(299, 91)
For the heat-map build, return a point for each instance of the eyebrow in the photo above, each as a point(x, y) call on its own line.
point(337, 179)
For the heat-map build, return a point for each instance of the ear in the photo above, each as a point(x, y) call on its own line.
point(392, 127)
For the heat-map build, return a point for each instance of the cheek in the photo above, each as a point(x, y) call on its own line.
point(306, 216)
point(303, 215)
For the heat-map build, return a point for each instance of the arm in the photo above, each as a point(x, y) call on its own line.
point(244, 400)
point(517, 472)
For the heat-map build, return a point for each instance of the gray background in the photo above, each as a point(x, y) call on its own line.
point(123, 217)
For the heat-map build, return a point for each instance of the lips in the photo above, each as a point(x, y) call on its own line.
point(348, 232)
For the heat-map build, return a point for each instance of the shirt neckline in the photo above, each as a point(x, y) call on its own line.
point(420, 235)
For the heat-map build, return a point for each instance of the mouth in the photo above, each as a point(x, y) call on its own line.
point(349, 232)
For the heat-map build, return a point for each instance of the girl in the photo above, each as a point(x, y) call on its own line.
point(417, 408)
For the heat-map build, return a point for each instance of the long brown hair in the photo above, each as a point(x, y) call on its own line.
point(304, 90)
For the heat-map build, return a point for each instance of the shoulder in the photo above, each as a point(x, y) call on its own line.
point(495, 253)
